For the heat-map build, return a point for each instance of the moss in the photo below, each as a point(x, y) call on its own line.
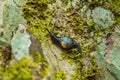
point(70, 21)
point(61, 75)
point(25, 69)
point(38, 19)
point(115, 6)
point(17, 71)
point(37, 15)
point(86, 67)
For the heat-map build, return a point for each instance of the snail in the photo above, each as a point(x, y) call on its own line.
point(64, 42)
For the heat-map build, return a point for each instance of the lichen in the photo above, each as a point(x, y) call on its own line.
point(71, 21)
point(20, 43)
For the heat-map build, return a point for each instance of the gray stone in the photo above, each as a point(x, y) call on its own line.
point(12, 32)
point(56, 62)
point(101, 17)
point(3, 39)
point(110, 62)
point(20, 43)
point(10, 18)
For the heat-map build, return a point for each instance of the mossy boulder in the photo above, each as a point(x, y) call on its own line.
point(88, 22)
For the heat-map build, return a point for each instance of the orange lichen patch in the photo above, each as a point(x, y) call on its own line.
point(109, 44)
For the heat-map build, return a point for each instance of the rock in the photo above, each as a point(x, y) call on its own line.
point(3, 38)
point(101, 17)
point(11, 19)
point(35, 45)
point(110, 62)
point(20, 43)
point(55, 61)
point(13, 32)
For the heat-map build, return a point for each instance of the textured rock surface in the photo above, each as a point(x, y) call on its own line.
point(20, 43)
point(10, 21)
point(13, 32)
point(110, 62)
point(10, 18)
point(101, 17)
point(108, 55)
point(55, 61)
point(3, 40)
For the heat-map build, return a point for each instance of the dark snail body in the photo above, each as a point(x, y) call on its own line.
point(64, 42)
